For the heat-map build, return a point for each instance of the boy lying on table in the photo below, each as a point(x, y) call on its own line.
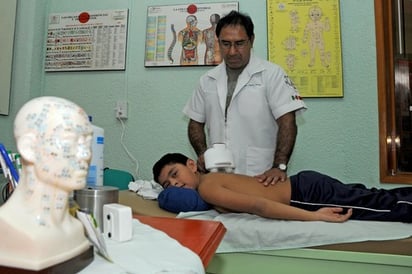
point(306, 196)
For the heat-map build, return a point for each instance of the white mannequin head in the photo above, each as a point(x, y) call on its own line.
point(53, 136)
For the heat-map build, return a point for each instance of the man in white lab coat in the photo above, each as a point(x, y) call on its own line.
point(247, 103)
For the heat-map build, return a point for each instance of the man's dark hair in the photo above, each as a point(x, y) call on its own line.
point(168, 159)
point(236, 18)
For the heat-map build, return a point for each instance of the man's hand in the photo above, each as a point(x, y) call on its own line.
point(271, 177)
point(333, 214)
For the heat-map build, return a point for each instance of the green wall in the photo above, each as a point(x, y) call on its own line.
point(338, 136)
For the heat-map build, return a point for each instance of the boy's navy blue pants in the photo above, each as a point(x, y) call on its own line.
point(312, 190)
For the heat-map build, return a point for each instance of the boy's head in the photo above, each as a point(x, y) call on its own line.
point(175, 169)
point(179, 172)
point(167, 159)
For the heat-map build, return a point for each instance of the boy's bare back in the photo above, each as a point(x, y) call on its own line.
point(216, 187)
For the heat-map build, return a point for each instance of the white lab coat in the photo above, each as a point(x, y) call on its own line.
point(263, 93)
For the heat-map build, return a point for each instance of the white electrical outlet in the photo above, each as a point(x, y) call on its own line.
point(121, 109)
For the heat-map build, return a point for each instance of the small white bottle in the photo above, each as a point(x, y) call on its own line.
point(96, 167)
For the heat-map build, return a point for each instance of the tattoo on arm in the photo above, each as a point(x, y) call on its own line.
point(197, 136)
point(286, 138)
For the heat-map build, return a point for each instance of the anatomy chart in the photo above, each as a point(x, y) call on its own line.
point(88, 40)
point(184, 35)
point(304, 38)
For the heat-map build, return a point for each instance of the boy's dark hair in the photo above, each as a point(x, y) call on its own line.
point(168, 159)
point(236, 18)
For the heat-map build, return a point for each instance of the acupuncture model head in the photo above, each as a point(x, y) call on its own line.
point(53, 136)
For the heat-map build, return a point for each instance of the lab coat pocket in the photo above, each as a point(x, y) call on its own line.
point(258, 160)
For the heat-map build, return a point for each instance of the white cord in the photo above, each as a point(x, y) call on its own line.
point(127, 151)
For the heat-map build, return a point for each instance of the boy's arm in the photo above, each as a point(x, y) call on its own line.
point(228, 200)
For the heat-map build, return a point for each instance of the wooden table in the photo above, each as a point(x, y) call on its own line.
point(202, 237)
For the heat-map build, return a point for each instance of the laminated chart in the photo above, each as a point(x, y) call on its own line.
point(88, 40)
point(184, 35)
point(304, 39)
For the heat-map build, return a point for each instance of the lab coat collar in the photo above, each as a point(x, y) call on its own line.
point(255, 65)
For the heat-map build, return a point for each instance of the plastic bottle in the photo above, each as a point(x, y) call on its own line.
point(96, 167)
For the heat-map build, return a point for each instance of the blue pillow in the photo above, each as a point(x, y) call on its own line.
point(178, 199)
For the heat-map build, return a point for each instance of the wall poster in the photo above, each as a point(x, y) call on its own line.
point(184, 35)
point(87, 40)
point(304, 38)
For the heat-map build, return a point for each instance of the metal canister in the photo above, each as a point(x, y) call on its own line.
point(92, 198)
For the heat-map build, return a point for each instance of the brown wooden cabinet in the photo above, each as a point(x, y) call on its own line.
point(393, 19)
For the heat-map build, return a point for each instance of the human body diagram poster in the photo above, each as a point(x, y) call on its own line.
point(184, 35)
point(304, 38)
point(88, 40)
